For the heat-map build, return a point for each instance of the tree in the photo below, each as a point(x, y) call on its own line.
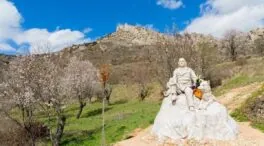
point(259, 46)
point(43, 86)
point(80, 78)
point(208, 59)
point(19, 92)
point(141, 76)
point(104, 77)
point(234, 42)
point(103, 92)
point(208, 56)
point(52, 94)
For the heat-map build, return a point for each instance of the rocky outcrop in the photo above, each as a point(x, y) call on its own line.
point(256, 34)
point(133, 35)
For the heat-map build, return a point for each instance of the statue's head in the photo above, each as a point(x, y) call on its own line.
point(205, 86)
point(182, 62)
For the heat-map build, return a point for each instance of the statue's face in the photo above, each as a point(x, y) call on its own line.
point(205, 86)
point(182, 62)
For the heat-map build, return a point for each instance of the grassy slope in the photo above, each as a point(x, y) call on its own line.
point(127, 114)
point(252, 71)
point(121, 118)
point(240, 115)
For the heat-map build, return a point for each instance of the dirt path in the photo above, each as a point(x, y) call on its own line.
point(248, 136)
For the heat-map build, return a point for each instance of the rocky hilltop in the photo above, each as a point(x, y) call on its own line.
point(256, 34)
point(129, 47)
point(133, 35)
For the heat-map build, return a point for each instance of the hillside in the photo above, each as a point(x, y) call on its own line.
point(132, 46)
point(131, 49)
point(4, 61)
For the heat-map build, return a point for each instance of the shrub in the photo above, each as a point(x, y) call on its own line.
point(15, 136)
point(255, 109)
point(39, 130)
point(241, 61)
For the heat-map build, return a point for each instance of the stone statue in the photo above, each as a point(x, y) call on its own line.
point(182, 116)
point(184, 78)
point(171, 90)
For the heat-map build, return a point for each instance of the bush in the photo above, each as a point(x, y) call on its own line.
point(144, 92)
point(39, 130)
point(20, 136)
point(214, 77)
point(15, 136)
point(241, 61)
point(255, 109)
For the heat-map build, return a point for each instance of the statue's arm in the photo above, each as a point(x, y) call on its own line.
point(178, 90)
point(193, 76)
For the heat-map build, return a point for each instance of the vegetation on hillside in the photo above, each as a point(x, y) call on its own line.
point(252, 110)
point(41, 94)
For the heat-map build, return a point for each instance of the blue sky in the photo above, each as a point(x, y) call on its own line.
point(31, 24)
point(102, 15)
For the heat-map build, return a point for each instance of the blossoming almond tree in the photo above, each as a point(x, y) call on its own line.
point(19, 92)
point(52, 95)
point(80, 79)
point(36, 83)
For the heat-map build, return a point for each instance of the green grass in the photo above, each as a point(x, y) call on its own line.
point(239, 116)
point(240, 113)
point(121, 118)
point(237, 81)
point(259, 126)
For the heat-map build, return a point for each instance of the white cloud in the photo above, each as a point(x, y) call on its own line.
point(87, 30)
point(227, 6)
point(10, 20)
point(170, 4)
point(10, 29)
point(6, 47)
point(55, 40)
point(218, 16)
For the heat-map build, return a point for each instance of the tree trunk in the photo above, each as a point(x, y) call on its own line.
point(89, 100)
point(60, 127)
point(108, 92)
point(33, 139)
point(81, 106)
point(30, 131)
point(61, 120)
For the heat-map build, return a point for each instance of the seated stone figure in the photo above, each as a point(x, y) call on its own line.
point(212, 118)
point(184, 78)
point(174, 119)
point(207, 97)
point(208, 121)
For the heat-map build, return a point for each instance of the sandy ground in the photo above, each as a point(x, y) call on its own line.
point(248, 136)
